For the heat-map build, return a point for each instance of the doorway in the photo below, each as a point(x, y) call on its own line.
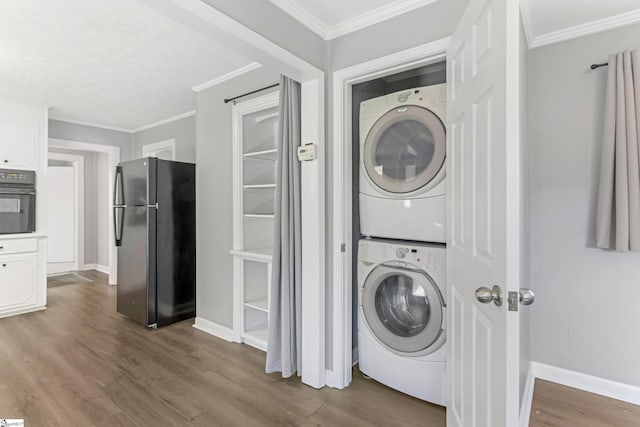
point(95, 188)
point(340, 309)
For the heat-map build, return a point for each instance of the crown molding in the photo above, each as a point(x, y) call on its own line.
point(375, 17)
point(94, 125)
point(165, 121)
point(302, 15)
point(581, 30)
point(223, 78)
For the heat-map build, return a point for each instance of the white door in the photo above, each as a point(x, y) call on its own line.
point(483, 213)
point(61, 230)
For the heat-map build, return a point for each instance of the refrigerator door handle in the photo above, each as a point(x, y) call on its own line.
point(118, 188)
point(118, 222)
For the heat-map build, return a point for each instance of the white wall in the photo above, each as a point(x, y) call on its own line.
point(214, 194)
point(586, 314)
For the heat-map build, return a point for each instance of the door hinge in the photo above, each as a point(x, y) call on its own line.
point(514, 300)
point(343, 247)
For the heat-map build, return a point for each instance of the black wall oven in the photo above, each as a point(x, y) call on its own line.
point(17, 201)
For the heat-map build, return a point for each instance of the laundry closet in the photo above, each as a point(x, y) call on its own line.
point(398, 228)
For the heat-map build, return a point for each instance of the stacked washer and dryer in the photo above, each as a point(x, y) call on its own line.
point(402, 258)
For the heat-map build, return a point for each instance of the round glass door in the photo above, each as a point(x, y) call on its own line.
point(403, 308)
point(405, 149)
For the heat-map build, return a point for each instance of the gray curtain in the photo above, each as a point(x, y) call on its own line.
point(618, 214)
point(285, 317)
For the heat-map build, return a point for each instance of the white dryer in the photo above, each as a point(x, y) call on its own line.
point(402, 165)
point(401, 316)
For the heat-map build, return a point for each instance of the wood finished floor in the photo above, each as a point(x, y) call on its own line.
point(555, 405)
point(79, 363)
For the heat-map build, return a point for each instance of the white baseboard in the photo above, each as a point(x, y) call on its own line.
point(527, 397)
point(97, 267)
point(578, 380)
point(57, 268)
point(16, 311)
point(214, 329)
point(586, 382)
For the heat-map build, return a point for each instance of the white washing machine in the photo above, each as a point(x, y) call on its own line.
point(402, 165)
point(401, 316)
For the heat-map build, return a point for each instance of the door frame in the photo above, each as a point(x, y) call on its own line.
point(113, 154)
point(77, 163)
point(341, 303)
point(151, 149)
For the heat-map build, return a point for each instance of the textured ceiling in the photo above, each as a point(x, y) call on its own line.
point(115, 63)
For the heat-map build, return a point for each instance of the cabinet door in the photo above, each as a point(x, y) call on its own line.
point(17, 281)
point(18, 144)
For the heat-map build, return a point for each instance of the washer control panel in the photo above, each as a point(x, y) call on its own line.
point(428, 258)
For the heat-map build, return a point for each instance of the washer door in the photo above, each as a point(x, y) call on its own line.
point(403, 309)
point(405, 149)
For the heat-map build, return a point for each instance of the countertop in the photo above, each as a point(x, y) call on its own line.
point(22, 236)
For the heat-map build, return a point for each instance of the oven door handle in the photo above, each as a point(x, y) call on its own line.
point(17, 191)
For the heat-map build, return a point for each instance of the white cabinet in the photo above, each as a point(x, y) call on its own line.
point(23, 145)
point(18, 143)
point(255, 126)
point(18, 282)
point(23, 282)
point(23, 135)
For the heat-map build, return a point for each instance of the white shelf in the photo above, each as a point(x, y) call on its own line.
point(254, 183)
point(251, 186)
point(257, 338)
point(269, 116)
point(260, 305)
point(254, 254)
point(271, 154)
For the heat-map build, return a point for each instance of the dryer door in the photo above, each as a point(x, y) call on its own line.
point(403, 309)
point(405, 149)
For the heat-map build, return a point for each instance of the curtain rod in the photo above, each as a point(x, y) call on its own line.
point(228, 100)
point(594, 66)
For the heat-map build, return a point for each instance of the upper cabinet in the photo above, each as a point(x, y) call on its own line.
point(22, 134)
point(18, 142)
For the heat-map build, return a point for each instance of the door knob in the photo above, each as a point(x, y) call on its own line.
point(527, 297)
point(486, 295)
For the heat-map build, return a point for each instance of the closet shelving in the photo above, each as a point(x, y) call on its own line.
point(255, 126)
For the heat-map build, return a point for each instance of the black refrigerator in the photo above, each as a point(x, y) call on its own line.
point(155, 218)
